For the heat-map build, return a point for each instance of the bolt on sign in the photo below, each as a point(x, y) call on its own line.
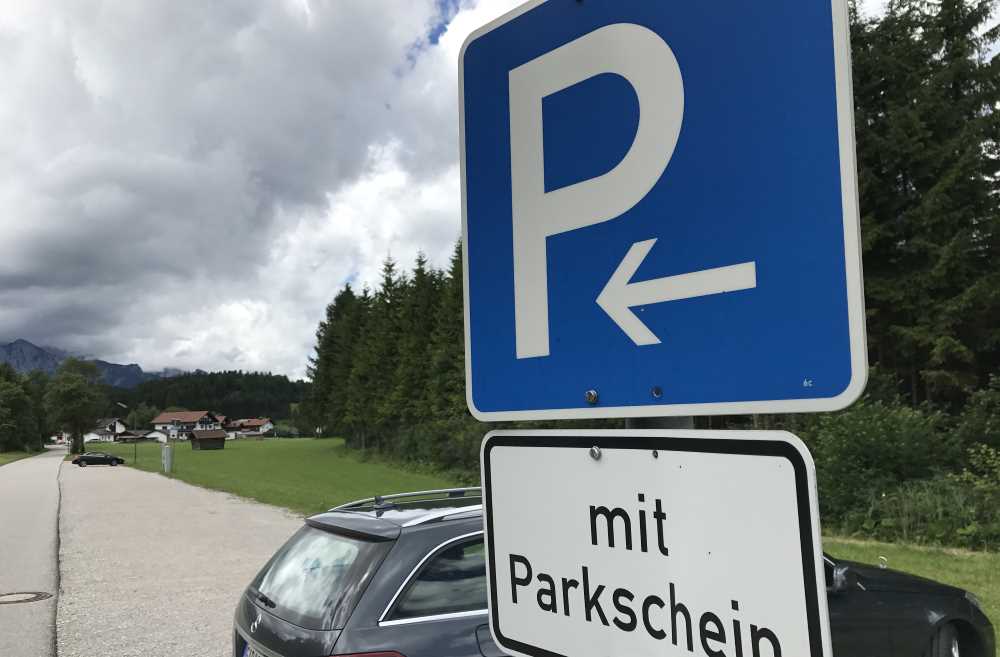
point(667, 543)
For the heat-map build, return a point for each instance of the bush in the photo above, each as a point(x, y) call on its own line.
point(448, 445)
point(950, 509)
point(870, 449)
point(980, 420)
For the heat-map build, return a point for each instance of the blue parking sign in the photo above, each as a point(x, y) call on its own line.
point(660, 210)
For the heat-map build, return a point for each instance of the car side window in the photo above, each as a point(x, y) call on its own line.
point(451, 581)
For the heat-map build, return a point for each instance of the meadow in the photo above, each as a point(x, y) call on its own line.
point(304, 475)
point(9, 457)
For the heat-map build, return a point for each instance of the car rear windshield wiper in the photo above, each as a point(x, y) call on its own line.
point(266, 600)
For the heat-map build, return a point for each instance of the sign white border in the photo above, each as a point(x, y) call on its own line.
point(755, 443)
point(852, 262)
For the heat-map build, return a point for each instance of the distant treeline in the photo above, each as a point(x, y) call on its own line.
point(234, 394)
point(919, 457)
point(24, 419)
point(33, 406)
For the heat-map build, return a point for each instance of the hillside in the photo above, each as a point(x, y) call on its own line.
point(26, 357)
point(235, 394)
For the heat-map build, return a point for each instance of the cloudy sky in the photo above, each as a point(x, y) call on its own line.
point(187, 184)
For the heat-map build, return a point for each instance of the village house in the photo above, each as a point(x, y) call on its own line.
point(133, 435)
point(249, 427)
point(176, 425)
point(106, 430)
point(156, 434)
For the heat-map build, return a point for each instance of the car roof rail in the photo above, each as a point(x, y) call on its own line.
point(470, 511)
point(384, 500)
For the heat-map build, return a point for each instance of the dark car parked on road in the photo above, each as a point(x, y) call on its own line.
point(97, 458)
point(405, 576)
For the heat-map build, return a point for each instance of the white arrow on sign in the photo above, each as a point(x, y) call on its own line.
point(619, 295)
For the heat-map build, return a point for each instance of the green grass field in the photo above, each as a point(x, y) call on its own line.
point(305, 475)
point(9, 457)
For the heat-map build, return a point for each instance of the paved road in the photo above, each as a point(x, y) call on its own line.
point(29, 506)
point(152, 566)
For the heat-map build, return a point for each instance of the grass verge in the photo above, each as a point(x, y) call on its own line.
point(978, 572)
point(305, 475)
point(10, 457)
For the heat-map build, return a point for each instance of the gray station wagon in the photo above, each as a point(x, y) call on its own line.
point(405, 576)
point(395, 575)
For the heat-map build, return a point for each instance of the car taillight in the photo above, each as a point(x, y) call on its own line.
point(391, 653)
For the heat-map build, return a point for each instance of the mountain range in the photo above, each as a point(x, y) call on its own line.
point(26, 357)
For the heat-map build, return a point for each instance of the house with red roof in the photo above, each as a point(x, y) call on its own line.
point(250, 427)
point(176, 425)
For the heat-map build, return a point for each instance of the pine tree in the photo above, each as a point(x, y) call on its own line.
point(16, 419)
point(925, 94)
point(359, 406)
point(35, 385)
point(386, 334)
point(447, 353)
point(413, 375)
point(325, 403)
point(350, 318)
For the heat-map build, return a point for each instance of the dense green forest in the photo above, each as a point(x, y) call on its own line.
point(234, 394)
point(23, 418)
point(35, 406)
point(917, 457)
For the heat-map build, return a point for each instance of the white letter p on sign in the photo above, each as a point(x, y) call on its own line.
point(648, 64)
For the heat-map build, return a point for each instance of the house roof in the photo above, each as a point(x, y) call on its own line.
point(105, 421)
point(183, 417)
point(211, 433)
point(252, 422)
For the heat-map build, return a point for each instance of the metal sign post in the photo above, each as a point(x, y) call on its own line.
point(167, 458)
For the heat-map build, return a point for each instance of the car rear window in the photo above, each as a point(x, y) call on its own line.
point(314, 580)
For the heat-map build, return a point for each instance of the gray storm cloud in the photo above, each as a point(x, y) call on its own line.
point(187, 184)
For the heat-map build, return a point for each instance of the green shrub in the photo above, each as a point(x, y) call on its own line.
point(980, 419)
point(950, 509)
point(871, 448)
point(450, 445)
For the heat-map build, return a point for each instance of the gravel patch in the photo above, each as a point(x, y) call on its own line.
point(154, 566)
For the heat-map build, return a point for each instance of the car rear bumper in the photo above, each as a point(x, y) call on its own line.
point(267, 634)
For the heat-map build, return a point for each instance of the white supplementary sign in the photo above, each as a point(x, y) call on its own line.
point(664, 543)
